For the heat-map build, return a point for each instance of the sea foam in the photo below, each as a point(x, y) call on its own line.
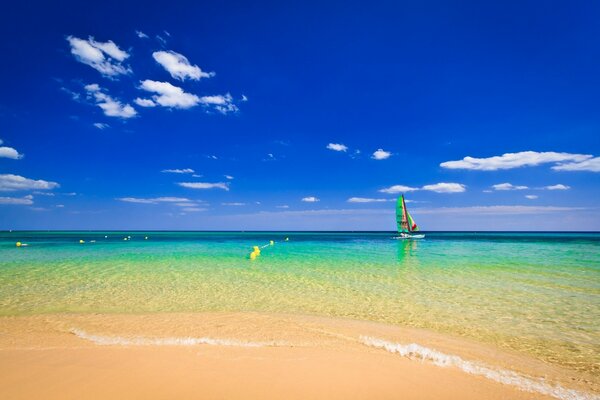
point(167, 341)
point(415, 351)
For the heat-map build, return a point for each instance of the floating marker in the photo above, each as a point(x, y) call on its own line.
point(124, 238)
point(257, 250)
point(146, 238)
point(287, 239)
point(105, 236)
point(271, 243)
point(81, 241)
point(18, 244)
point(252, 255)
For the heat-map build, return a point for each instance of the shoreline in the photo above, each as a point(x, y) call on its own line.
point(259, 355)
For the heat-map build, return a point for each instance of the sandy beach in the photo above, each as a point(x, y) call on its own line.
point(250, 356)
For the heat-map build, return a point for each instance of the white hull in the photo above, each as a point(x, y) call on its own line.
point(406, 236)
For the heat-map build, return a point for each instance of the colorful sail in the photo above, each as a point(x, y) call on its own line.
point(404, 221)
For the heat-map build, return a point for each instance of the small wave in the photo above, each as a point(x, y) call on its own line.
point(167, 341)
point(414, 351)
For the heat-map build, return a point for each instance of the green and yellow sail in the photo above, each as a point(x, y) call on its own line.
point(404, 221)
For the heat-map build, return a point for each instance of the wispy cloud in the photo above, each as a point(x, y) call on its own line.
point(222, 103)
point(494, 210)
point(398, 189)
point(522, 159)
point(205, 185)
point(26, 200)
point(179, 66)
point(337, 147)
point(11, 183)
point(233, 204)
point(442, 187)
point(110, 106)
point(104, 57)
point(366, 200)
point(310, 199)
point(381, 154)
point(101, 125)
point(141, 35)
point(283, 206)
point(508, 186)
point(178, 171)
point(531, 196)
point(9, 152)
point(592, 165)
point(559, 186)
point(228, 177)
point(167, 95)
point(156, 200)
point(193, 209)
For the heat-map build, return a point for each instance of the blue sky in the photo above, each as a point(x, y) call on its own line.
point(303, 115)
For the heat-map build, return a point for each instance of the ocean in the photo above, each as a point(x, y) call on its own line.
point(537, 294)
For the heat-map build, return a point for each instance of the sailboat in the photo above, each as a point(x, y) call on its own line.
point(406, 225)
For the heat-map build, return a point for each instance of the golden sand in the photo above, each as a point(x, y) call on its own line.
point(242, 356)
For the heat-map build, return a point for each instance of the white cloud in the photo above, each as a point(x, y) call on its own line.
point(494, 210)
point(244, 97)
point(193, 209)
point(559, 186)
point(144, 102)
point(178, 171)
point(398, 189)
point(516, 160)
point(26, 200)
point(592, 164)
point(228, 177)
point(101, 125)
point(156, 200)
point(104, 57)
point(11, 183)
point(233, 204)
point(179, 67)
point(337, 147)
point(141, 35)
point(508, 186)
point(442, 187)
point(366, 200)
point(310, 199)
point(381, 154)
point(205, 185)
point(110, 106)
point(168, 95)
point(222, 103)
point(283, 206)
point(531, 196)
point(9, 152)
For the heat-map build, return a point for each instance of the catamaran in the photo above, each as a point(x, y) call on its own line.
point(406, 225)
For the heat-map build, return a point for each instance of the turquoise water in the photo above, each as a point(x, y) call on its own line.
point(535, 293)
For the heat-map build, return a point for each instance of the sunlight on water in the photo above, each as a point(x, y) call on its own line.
point(538, 294)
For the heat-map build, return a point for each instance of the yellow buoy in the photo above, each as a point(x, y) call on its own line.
point(18, 244)
point(124, 238)
point(252, 255)
point(257, 250)
point(81, 241)
point(271, 243)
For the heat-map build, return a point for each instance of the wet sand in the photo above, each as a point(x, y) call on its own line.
point(243, 356)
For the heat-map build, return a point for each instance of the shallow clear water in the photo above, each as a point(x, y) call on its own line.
point(536, 293)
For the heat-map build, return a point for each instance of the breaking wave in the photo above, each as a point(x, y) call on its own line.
point(414, 351)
